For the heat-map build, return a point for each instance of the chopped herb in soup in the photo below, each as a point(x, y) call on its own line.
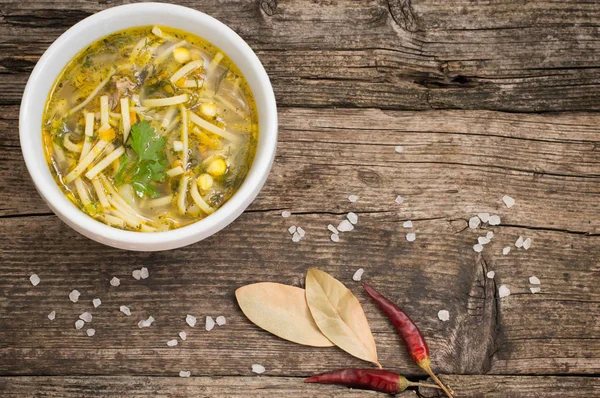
point(150, 129)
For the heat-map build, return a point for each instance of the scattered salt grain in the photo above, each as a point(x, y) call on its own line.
point(407, 224)
point(353, 198)
point(352, 217)
point(335, 238)
point(345, 226)
point(137, 274)
point(484, 217)
point(399, 149)
point(519, 242)
point(34, 279)
point(115, 281)
point(358, 275)
point(190, 320)
point(503, 291)
point(183, 335)
point(52, 315)
point(146, 323)
point(534, 280)
point(285, 214)
point(210, 323)
point(301, 232)
point(474, 222)
point(74, 296)
point(411, 236)
point(296, 237)
point(90, 332)
point(491, 274)
point(444, 315)
point(172, 343)
point(332, 229)
point(258, 369)
point(96, 302)
point(79, 324)
point(535, 290)
point(86, 317)
point(292, 229)
point(527, 243)
point(144, 273)
point(184, 373)
point(506, 250)
point(494, 220)
point(478, 248)
point(125, 310)
point(221, 320)
point(399, 199)
point(489, 235)
point(482, 240)
point(508, 201)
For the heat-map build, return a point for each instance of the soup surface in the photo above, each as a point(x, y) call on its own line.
point(150, 129)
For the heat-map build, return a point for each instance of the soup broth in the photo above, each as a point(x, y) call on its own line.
point(150, 129)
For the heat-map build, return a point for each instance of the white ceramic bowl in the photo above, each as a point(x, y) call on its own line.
point(104, 23)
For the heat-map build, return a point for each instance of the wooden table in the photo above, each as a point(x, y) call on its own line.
point(487, 98)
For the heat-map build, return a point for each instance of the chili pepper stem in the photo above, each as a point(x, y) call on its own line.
point(425, 364)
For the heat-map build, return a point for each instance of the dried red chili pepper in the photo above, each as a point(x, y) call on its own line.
point(367, 379)
point(410, 333)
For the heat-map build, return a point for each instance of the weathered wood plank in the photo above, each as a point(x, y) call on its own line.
point(423, 54)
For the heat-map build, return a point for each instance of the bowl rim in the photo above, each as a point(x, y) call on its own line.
point(134, 240)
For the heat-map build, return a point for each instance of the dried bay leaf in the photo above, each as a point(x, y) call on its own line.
point(281, 310)
point(339, 315)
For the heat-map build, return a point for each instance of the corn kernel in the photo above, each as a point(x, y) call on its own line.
point(181, 55)
point(177, 162)
point(217, 167)
point(133, 117)
point(205, 182)
point(107, 135)
point(209, 109)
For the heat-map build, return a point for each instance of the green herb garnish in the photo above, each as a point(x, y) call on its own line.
point(147, 165)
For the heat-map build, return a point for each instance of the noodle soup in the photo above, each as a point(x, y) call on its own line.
point(150, 129)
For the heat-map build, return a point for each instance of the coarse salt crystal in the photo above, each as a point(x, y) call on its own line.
point(286, 214)
point(183, 335)
point(535, 290)
point(221, 320)
point(185, 373)
point(399, 199)
point(96, 302)
point(125, 310)
point(527, 243)
point(399, 149)
point(494, 220)
point(301, 232)
point(335, 238)
point(144, 273)
point(534, 280)
point(508, 201)
point(478, 247)
point(411, 236)
point(519, 242)
point(506, 250)
point(52, 315)
point(137, 274)
point(74, 296)
point(407, 224)
point(296, 237)
point(258, 369)
point(491, 274)
point(292, 229)
point(210, 323)
point(482, 240)
point(352, 217)
point(489, 235)
point(474, 222)
point(358, 275)
point(34, 279)
point(332, 229)
point(146, 323)
point(353, 198)
point(503, 291)
point(443, 315)
point(484, 217)
point(86, 316)
point(90, 332)
point(345, 226)
point(172, 343)
point(115, 281)
point(79, 324)
point(190, 320)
